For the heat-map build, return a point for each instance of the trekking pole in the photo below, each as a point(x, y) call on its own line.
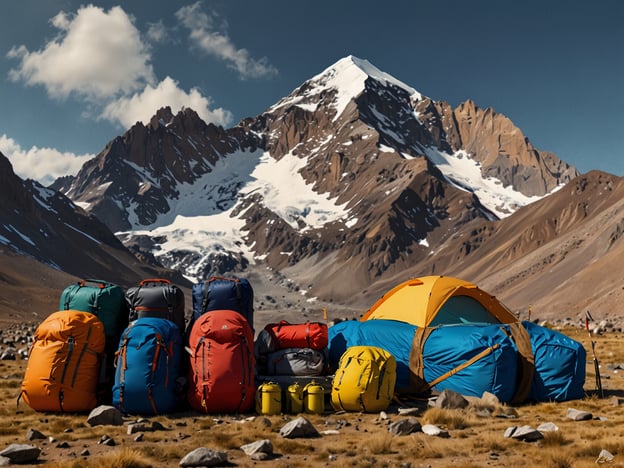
point(588, 317)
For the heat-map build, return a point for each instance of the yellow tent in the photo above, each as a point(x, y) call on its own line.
point(439, 300)
point(433, 301)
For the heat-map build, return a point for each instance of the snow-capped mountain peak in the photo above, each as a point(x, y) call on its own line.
point(354, 171)
point(347, 78)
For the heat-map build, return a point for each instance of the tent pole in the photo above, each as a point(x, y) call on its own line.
point(588, 317)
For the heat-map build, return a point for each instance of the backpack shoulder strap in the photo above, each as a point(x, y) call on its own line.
point(206, 296)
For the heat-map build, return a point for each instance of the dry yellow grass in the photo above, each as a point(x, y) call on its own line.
point(475, 440)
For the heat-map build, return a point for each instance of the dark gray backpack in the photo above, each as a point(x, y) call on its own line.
point(156, 297)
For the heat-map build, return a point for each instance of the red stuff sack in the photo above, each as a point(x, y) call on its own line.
point(311, 335)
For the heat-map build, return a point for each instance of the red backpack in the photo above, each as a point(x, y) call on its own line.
point(221, 378)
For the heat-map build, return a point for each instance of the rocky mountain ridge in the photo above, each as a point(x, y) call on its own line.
point(47, 242)
point(380, 167)
point(343, 188)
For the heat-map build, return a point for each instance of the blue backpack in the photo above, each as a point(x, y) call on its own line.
point(221, 293)
point(148, 367)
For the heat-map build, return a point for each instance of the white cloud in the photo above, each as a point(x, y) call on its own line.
point(204, 34)
point(96, 54)
point(158, 32)
point(41, 164)
point(140, 107)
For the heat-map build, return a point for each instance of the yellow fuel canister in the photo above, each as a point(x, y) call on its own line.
point(269, 399)
point(294, 399)
point(314, 398)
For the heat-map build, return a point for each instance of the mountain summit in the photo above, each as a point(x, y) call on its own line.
point(347, 79)
point(352, 178)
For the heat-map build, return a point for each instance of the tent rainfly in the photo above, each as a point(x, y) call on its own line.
point(461, 333)
point(439, 300)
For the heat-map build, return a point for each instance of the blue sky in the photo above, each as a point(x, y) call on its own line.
point(73, 75)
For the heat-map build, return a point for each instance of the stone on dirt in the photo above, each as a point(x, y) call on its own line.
point(203, 456)
point(578, 415)
point(405, 426)
point(21, 453)
point(299, 427)
point(105, 415)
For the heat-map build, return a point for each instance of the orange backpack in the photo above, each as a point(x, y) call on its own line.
point(64, 363)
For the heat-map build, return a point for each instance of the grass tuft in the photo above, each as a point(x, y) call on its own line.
point(380, 443)
point(123, 458)
point(452, 419)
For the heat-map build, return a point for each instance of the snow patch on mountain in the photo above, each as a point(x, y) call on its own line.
point(25, 238)
point(200, 217)
point(206, 235)
point(241, 174)
point(465, 173)
point(287, 194)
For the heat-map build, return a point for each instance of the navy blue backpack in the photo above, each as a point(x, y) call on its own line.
point(221, 293)
point(148, 367)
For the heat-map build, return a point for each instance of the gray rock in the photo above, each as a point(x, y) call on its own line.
point(405, 426)
point(34, 434)
point(135, 428)
point(204, 457)
point(144, 426)
point(489, 399)
point(8, 354)
point(260, 456)
point(107, 440)
point(433, 430)
point(263, 445)
point(605, 457)
point(5, 461)
point(578, 415)
point(548, 427)
point(451, 400)
point(299, 427)
point(524, 433)
point(260, 446)
point(21, 453)
point(85, 453)
point(409, 411)
point(156, 426)
point(105, 415)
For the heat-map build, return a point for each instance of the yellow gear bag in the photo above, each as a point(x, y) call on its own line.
point(365, 380)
